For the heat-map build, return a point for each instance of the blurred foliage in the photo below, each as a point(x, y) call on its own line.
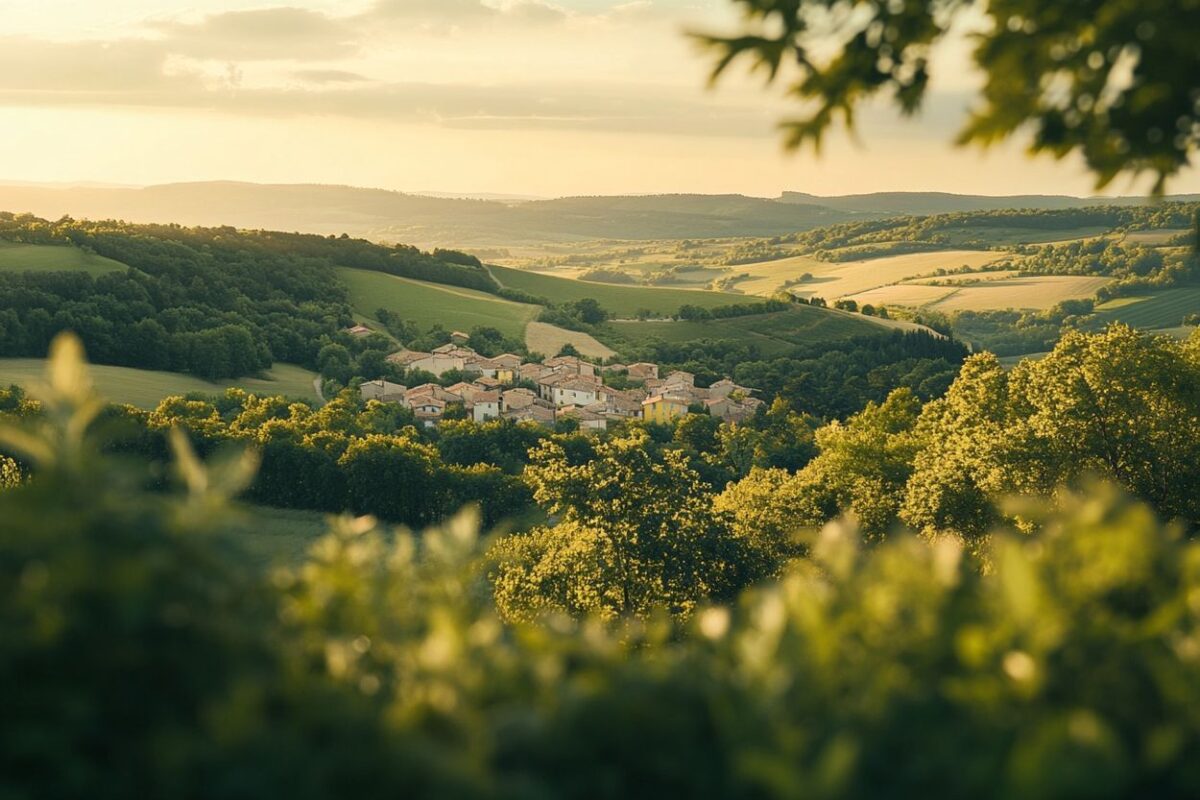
point(140, 658)
point(1116, 82)
point(1116, 404)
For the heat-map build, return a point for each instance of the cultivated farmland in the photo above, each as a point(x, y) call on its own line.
point(1034, 292)
point(550, 339)
point(833, 280)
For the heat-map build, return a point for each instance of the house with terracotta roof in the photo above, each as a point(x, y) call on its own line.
point(664, 408)
point(485, 406)
point(403, 358)
point(428, 409)
point(572, 364)
point(518, 398)
point(571, 390)
point(726, 388)
point(383, 391)
point(537, 412)
point(642, 370)
point(588, 418)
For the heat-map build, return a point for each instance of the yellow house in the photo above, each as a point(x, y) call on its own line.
point(506, 376)
point(663, 409)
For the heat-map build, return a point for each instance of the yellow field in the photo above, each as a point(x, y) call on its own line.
point(549, 339)
point(904, 294)
point(833, 281)
point(1039, 293)
point(970, 277)
point(767, 276)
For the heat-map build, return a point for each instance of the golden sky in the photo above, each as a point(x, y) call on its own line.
point(535, 97)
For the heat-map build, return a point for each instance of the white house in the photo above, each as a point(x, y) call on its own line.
point(485, 406)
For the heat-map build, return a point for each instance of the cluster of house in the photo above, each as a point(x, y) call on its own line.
point(567, 388)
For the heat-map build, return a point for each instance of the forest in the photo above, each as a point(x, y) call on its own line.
point(213, 302)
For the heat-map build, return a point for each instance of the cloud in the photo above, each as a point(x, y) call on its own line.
point(141, 78)
point(446, 14)
point(264, 34)
point(325, 76)
point(38, 68)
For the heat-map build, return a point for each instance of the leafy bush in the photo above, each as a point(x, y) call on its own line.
point(141, 657)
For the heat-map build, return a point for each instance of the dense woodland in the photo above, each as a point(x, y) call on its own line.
point(213, 302)
point(895, 235)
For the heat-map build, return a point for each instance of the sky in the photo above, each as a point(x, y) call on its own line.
point(529, 97)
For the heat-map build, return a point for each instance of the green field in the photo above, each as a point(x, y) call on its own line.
point(772, 333)
point(1164, 309)
point(428, 304)
point(16, 257)
point(145, 388)
point(622, 301)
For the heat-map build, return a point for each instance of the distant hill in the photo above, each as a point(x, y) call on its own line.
point(925, 203)
point(430, 221)
point(423, 220)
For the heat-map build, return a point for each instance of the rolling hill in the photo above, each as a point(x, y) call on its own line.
point(622, 301)
point(422, 220)
point(429, 304)
point(1165, 309)
point(771, 333)
point(458, 221)
point(925, 203)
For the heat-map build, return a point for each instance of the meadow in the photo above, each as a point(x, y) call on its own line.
point(1165, 309)
point(771, 333)
point(622, 301)
point(145, 388)
point(429, 304)
point(18, 257)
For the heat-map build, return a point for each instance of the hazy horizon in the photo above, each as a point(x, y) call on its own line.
point(67, 185)
point(544, 98)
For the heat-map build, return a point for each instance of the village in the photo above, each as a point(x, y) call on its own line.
point(567, 388)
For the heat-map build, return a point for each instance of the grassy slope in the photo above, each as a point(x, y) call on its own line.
point(772, 333)
point(15, 257)
point(145, 388)
point(428, 303)
point(1164, 309)
point(623, 301)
